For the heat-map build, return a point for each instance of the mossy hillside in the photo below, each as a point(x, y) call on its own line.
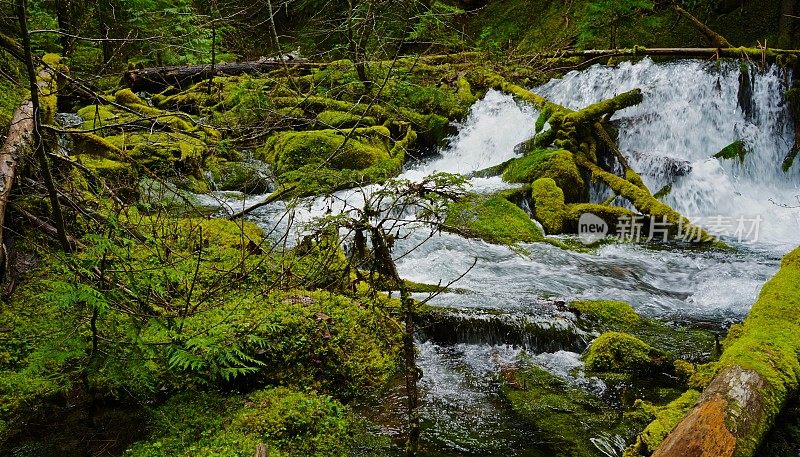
point(506, 24)
point(665, 419)
point(287, 422)
point(258, 329)
point(492, 218)
point(548, 205)
point(621, 352)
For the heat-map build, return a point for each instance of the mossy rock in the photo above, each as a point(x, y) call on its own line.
point(610, 214)
point(166, 153)
point(249, 177)
point(565, 416)
point(692, 344)
point(127, 97)
point(735, 151)
point(548, 205)
point(621, 352)
point(558, 165)
point(609, 313)
point(289, 151)
point(91, 144)
point(344, 120)
point(492, 218)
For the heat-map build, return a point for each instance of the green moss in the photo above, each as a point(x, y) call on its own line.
point(248, 177)
point(127, 97)
point(608, 213)
point(289, 151)
point(769, 341)
point(492, 218)
point(643, 201)
point(340, 119)
point(167, 153)
point(564, 416)
point(544, 116)
point(610, 313)
point(91, 144)
point(548, 201)
point(558, 165)
point(620, 352)
point(118, 172)
point(665, 419)
point(734, 151)
point(288, 422)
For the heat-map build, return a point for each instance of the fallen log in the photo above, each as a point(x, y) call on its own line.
point(759, 370)
point(18, 143)
point(715, 38)
point(732, 53)
point(157, 79)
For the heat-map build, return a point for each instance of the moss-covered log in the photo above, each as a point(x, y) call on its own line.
point(758, 371)
point(771, 55)
point(18, 143)
point(157, 79)
point(715, 38)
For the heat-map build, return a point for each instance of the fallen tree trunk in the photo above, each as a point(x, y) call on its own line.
point(157, 79)
point(716, 39)
point(733, 53)
point(759, 370)
point(18, 142)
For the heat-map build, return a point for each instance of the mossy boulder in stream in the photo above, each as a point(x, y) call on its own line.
point(692, 344)
point(548, 205)
point(620, 352)
point(558, 165)
point(567, 417)
point(289, 151)
point(492, 218)
point(613, 313)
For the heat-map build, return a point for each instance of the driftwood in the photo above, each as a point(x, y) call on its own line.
point(157, 79)
point(760, 370)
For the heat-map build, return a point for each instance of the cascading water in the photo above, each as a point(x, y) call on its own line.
point(690, 111)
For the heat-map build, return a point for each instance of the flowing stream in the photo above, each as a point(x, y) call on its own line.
point(691, 110)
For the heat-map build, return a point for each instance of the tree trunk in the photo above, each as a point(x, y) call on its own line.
point(715, 38)
point(786, 25)
point(760, 370)
point(17, 144)
point(47, 82)
point(64, 15)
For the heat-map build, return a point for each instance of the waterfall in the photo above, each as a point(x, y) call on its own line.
point(691, 110)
